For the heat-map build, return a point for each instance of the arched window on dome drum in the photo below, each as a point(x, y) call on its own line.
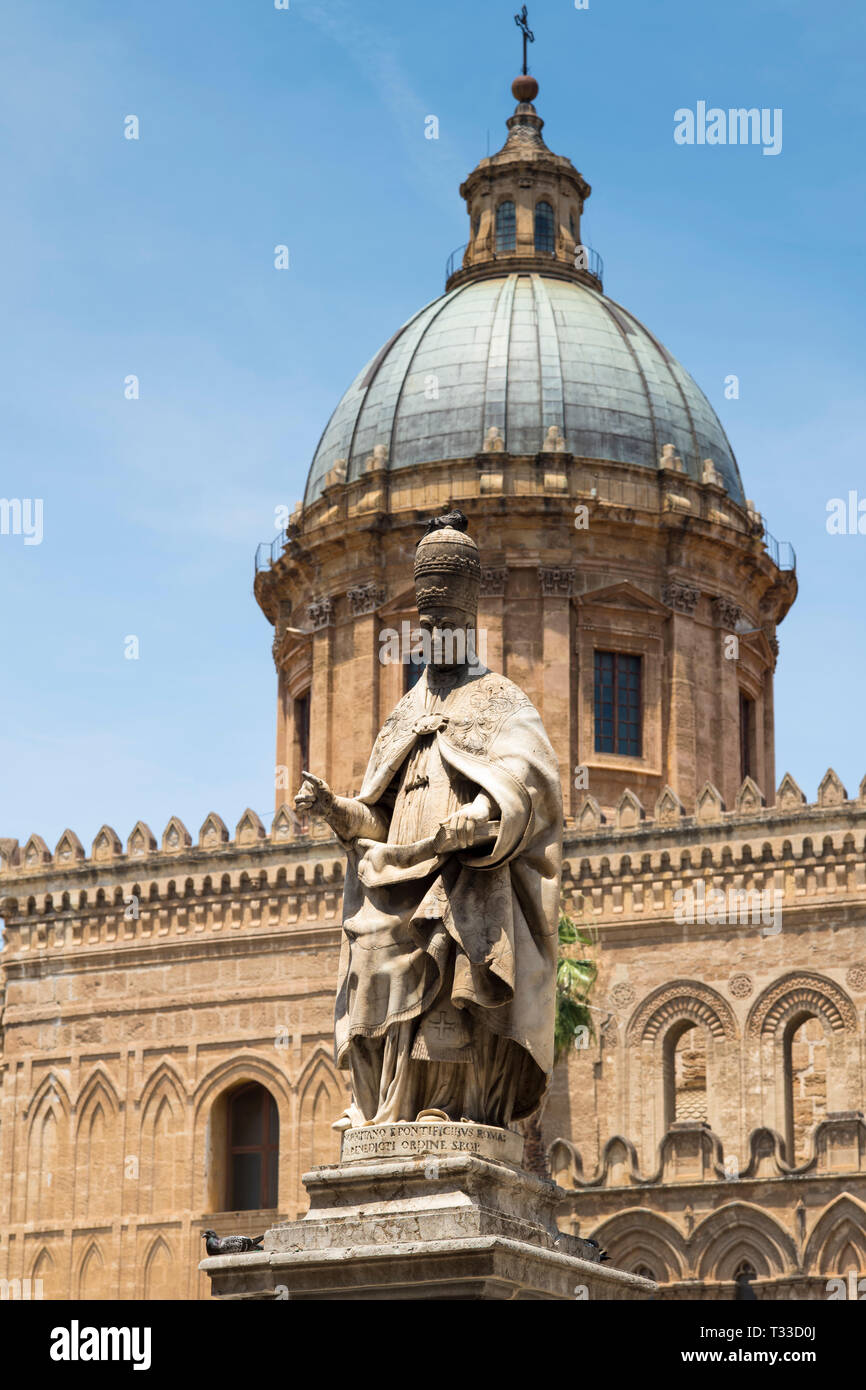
point(253, 1149)
point(506, 227)
point(543, 227)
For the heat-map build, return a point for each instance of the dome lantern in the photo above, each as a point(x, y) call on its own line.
point(525, 204)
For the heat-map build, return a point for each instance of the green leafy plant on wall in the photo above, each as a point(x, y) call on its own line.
point(576, 973)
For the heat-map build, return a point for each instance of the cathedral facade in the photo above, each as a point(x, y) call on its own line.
point(166, 1057)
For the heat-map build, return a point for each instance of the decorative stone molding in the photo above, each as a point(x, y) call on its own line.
point(141, 841)
point(590, 816)
point(556, 581)
point(493, 441)
point(749, 797)
point(623, 995)
point(831, 791)
point(669, 810)
point(554, 441)
point(365, 598)
point(789, 797)
point(806, 993)
point(35, 852)
point(682, 597)
point(68, 849)
point(629, 811)
point(856, 978)
point(213, 833)
point(726, 613)
point(249, 828)
point(740, 985)
point(709, 805)
point(320, 613)
point(671, 460)
point(9, 854)
point(493, 581)
point(683, 999)
point(710, 476)
point(336, 476)
point(175, 837)
point(378, 460)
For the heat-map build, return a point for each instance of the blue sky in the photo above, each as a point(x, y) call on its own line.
point(306, 127)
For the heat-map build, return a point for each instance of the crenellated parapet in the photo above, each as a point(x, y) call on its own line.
point(630, 864)
point(142, 891)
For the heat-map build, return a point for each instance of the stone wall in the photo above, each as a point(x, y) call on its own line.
point(141, 985)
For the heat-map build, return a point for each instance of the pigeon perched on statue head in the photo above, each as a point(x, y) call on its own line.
point(230, 1245)
point(456, 520)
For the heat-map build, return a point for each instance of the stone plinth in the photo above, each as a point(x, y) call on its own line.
point(424, 1211)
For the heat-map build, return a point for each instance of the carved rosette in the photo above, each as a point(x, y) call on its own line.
point(726, 613)
point(682, 597)
point(320, 613)
point(556, 581)
point(365, 598)
point(493, 582)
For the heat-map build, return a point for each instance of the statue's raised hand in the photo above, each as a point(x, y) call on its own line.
point(315, 796)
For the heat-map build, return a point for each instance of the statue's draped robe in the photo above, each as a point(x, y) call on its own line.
point(447, 973)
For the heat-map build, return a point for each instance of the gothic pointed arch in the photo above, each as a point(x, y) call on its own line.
point(213, 832)
point(641, 1236)
point(97, 1176)
point(97, 1081)
point(106, 844)
point(44, 1268)
point(741, 1231)
point(68, 848)
point(141, 842)
point(162, 1144)
point(160, 1275)
point(93, 1277)
point(175, 837)
point(841, 1227)
point(321, 1098)
point(52, 1085)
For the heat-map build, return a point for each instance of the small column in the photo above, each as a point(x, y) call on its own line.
point(557, 584)
point(681, 742)
point(362, 719)
point(724, 765)
point(320, 616)
point(491, 604)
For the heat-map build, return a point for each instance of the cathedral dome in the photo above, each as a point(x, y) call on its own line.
point(522, 358)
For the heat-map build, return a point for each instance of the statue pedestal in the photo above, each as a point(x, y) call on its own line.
point(424, 1210)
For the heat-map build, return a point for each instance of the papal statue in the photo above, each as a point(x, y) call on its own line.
point(445, 1000)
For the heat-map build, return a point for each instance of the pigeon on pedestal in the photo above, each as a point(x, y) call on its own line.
point(230, 1245)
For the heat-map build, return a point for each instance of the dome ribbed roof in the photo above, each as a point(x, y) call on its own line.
point(521, 353)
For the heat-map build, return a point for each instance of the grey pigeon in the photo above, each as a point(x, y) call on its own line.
point(230, 1245)
point(602, 1254)
point(457, 520)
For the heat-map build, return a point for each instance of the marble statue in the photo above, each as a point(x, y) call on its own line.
point(447, 974)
